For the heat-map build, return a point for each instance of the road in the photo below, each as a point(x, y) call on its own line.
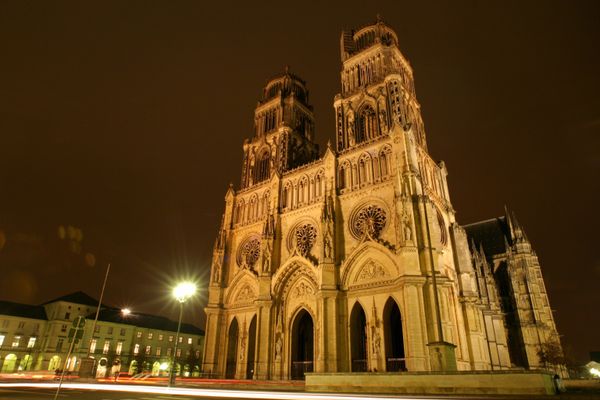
point(74, 391)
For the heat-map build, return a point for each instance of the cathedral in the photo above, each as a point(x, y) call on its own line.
point(351, 259)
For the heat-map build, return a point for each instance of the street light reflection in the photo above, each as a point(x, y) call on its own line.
point(231, 394)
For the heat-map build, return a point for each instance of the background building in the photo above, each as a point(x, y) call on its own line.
point(36, 338)
point(354, 260)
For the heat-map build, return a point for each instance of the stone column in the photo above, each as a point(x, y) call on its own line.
point(326, 334)
point(264, 342)
point(212, 343)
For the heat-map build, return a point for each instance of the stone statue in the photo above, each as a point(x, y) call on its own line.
point(350, 128)
point(278, 346)
point(407, 226)
point(376, 340)
point(217, 273)
point(267, 258)
point(327, 246)
point(243, 348)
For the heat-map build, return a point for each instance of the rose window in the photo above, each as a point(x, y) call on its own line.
point(305, 237)
point(249, 253)
point(371, 219)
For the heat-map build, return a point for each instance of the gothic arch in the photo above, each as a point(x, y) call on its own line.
point(242, 290)
point(286, 276)
point(370, 253)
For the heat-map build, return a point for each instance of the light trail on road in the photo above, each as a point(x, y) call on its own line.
point(232, 394)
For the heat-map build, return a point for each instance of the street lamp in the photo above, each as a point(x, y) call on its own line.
point(182, 293)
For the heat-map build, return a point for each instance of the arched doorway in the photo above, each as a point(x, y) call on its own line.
point(358, 339)
point(232, 350)
point(10, 362)
point(133, 367)
point(54, 363)
point(156, 369)
point(302, 345)
point(25, 363)
point(251, 349)
point(394, 340)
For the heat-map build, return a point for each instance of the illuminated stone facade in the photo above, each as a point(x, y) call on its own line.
point(352, 260)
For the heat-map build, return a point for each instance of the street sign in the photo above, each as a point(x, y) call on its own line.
point(77, 330)
point(79, 323)
point(75, 333)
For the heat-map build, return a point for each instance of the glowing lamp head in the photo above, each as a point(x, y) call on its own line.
point(125, 312)
point(184, 291)
point(595, 372)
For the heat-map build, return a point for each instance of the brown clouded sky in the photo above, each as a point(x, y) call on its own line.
point(126, 119)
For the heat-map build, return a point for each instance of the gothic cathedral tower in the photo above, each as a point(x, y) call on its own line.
point(351, 260)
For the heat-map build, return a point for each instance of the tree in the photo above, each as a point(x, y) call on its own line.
point(551, 355)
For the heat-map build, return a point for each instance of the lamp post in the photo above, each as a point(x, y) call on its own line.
point(182, 293)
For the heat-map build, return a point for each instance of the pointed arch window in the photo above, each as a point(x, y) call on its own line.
point(262, 167)
point(367, 126)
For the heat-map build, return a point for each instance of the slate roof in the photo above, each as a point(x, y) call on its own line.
point(22, 310)
point(490, 234)
point(145, 321)
point(76, 297)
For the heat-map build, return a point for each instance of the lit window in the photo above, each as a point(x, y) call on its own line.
point(16, 341)
point(59, 344)
point(119, 348)
point(136, 349)
point(1, 340)
point(160, 337)
point(148, 350)
point(180, 339)
point(122, 333)
point(93, 346)
point(139, 334)
point(110, 330)
point(170, 338)
point(158, 350)
point(21, 325)
point(189, 340)
point(169, 351)
point(178, 353)
point(150, 334)
point(63, 328)
point(31, 343)
point(106, 347)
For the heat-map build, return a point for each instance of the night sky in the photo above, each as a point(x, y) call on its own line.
point(125, 120)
